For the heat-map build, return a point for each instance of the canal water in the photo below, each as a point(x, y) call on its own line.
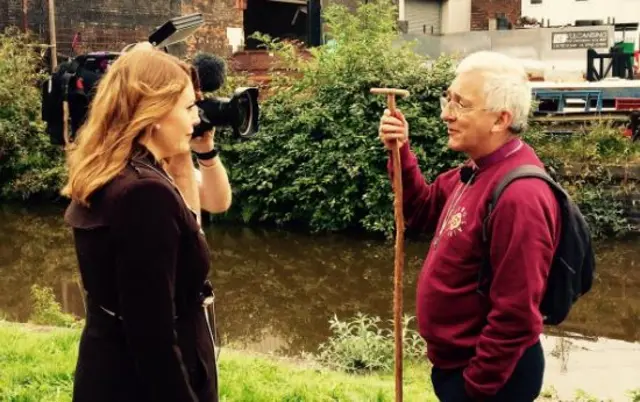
point(277, 290)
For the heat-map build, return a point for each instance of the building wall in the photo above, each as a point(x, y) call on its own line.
point(483, 10)
point(547, 48)
point(223, 25)
point(423, 16)
point(112, 24)
point(456, 16)
point(560, 12)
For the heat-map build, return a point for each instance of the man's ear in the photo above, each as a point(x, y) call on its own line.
point(503, 122)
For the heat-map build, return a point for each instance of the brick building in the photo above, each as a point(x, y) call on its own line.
point(94, 25)
point(441, 17)
point(505, 12)
point(112, 24)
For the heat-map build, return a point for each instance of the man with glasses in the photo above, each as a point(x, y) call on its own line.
point(483, 348)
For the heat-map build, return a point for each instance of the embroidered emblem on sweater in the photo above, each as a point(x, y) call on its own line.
point(456, 222)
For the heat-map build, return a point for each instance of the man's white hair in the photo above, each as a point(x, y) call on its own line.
point(506, 86)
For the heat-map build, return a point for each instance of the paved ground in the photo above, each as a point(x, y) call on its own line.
point(603, 368)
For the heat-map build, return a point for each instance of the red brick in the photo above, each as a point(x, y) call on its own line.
point(112, 24)
point(482, 10)
point(212, 36)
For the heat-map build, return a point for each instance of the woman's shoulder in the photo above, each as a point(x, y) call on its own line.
point(136, 187)
point(141, 183)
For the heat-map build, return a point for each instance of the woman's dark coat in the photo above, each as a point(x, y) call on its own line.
point(143, 257)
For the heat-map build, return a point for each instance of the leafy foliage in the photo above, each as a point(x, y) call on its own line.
point(29, 165)
point(47, 311)
point(318, 161)
point(362, 345)
point(583, 164)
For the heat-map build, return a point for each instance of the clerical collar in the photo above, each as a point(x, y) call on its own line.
point(500, 154)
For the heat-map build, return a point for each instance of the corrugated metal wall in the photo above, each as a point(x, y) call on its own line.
point(423, 16)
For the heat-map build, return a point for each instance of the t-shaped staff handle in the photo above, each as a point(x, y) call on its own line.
point(391, 94)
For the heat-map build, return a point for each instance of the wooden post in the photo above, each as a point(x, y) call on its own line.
point(399, 246)
point(52, 35)
point(25, 21)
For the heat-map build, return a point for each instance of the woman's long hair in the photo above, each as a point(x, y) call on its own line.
point(138, 90)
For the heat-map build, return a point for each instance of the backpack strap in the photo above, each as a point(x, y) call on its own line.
point(520, 172)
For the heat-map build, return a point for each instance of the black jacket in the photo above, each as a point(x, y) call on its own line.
point(144, 258)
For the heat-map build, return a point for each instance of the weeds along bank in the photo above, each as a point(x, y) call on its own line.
point(38, 365)
point(38, 362)
point(355, 364)
point(317, 162)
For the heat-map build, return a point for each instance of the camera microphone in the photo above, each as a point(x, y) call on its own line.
point(211, 71)
point(240, 111)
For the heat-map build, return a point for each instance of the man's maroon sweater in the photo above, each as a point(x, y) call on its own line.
point(461, 328)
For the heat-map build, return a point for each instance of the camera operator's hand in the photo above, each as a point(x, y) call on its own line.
point(204, 143)
point(393, 128)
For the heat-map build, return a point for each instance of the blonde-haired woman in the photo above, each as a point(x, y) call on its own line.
point(142, 255)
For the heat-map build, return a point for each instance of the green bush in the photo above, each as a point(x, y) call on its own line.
point(29, 166)
point(592, 148)
point(362, 345)
point(47, 311)
point(318, 162)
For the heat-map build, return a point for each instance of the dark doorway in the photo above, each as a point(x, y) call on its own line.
point(283, 19)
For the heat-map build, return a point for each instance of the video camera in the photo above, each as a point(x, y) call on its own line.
point(68, 92)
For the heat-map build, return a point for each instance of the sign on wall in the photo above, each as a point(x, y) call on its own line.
point(579, 39)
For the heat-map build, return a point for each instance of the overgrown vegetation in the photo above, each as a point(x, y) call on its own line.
point(583, 163)
point(47, 311)
point(363, 344)
point(38, 365)
point(29, 166)
point(317, 163)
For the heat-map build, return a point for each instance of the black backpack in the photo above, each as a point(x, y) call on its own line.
point(573, 265)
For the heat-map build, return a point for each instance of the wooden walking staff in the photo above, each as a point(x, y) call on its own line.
point(399, 249)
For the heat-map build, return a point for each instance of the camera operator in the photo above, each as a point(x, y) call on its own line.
point(206, 188)
point(142, 255)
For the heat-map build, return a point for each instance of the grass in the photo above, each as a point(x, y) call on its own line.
point(38, 364)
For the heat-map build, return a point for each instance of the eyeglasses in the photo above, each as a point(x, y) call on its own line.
point(455, 107)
